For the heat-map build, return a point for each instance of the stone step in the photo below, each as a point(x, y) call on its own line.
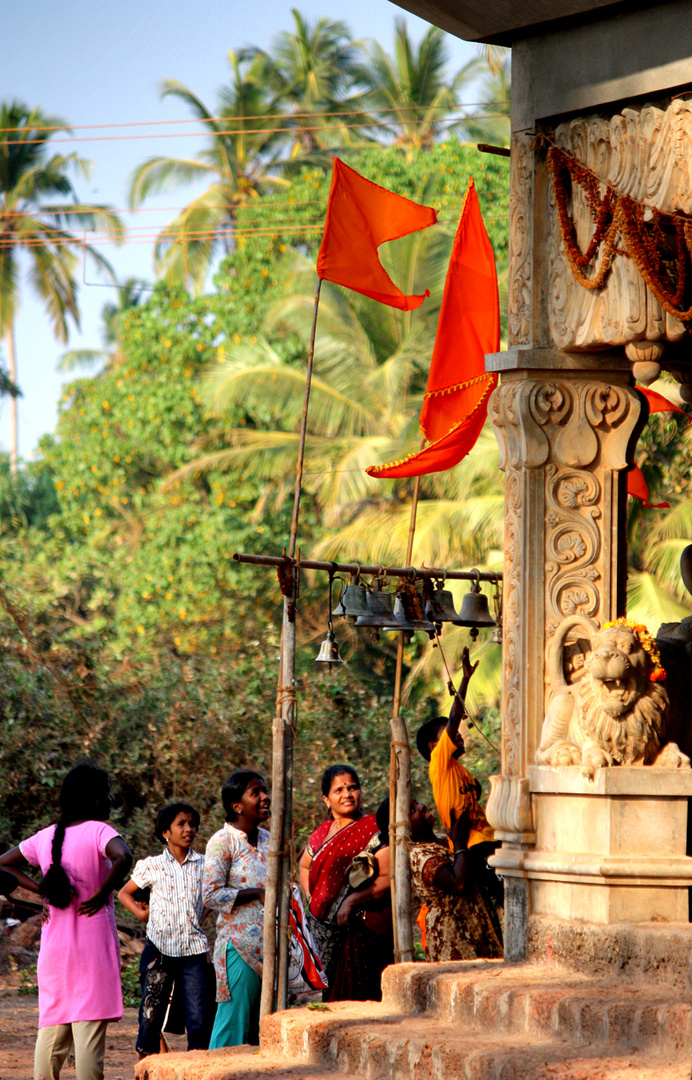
point(541, 1001)
point(364, 1040)
point(235, 1063)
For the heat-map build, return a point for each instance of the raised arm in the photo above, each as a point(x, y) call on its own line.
point(458, 710)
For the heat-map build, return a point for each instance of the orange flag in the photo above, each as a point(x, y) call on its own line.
point(361, 216)
point(636, 484)
point(456, 398)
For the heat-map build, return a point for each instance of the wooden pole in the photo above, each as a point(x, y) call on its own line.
point(288, 720)
point(278, 882)
point(402, 813)
point(272, 884)
point(400, 793)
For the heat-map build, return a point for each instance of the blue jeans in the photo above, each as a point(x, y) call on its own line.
point(190, 975)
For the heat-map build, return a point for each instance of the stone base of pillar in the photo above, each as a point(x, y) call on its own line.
point(606, 851)
point(612, 849)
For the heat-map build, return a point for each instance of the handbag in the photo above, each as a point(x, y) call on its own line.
point(363, 869)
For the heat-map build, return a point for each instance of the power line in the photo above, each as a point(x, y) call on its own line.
point(259, 116)
point(180, 236)
point(176, 237)
point(159, 209)
point(237, 208)
point(254, 131)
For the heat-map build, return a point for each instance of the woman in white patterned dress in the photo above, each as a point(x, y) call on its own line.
point(235, 868)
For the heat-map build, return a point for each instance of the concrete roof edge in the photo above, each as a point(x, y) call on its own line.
point(438, 15)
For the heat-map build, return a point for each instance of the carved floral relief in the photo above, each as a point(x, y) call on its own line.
point(521, 239)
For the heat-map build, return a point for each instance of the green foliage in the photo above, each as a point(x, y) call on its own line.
point(129, 979)
point(27, 498)
point(28, 982)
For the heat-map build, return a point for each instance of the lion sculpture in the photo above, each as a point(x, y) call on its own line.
point(610, 707)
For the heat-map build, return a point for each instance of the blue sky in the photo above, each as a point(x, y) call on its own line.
point(97, 64)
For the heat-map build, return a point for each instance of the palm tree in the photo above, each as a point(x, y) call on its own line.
point(492, 121)
point(314, 73)
point(129, 295)
point(243, 146)
point(410, 90)
point(38, 229)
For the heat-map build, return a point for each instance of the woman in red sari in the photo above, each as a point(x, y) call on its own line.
point(352, 928)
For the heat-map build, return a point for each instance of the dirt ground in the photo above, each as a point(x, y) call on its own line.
point(18, 1022)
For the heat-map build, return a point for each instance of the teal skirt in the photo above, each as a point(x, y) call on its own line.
point(237, 1020)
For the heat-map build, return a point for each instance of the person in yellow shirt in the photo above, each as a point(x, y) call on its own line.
point(455, 790)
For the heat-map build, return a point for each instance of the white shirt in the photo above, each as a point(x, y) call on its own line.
point(175, 904)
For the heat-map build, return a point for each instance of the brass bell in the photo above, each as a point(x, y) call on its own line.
point(474, 610)
point(440, 607)
point(405, 615)
point(379, 614)
point(352, 603)
point(329, 650)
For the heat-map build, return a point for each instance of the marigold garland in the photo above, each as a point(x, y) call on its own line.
point(616, 215)
point(648, 644)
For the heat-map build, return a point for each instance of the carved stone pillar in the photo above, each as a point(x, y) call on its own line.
point(564, 425)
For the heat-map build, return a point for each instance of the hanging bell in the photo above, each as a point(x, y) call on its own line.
point(406, 616)
point(475, 611)
point(329, 650)
point(496, 636)
point(379, 614)
point(440, 608)
point(352, 603)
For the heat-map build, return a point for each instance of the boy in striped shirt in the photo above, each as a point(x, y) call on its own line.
point(177, 951)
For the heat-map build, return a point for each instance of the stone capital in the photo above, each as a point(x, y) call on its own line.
point(566, 439)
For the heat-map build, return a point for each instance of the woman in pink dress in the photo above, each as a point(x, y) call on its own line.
point(82, 860)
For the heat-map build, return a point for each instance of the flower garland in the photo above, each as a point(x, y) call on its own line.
point(614, 215)
point(648, 644)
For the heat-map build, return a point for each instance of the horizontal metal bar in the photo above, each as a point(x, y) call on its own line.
point(353, 568)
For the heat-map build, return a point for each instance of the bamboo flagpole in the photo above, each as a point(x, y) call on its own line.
point(400, 792)
point(278, 882)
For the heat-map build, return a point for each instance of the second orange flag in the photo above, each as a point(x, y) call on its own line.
point(362, 215)
point(456, 398)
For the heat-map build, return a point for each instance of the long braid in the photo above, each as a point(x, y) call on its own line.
point(56, 886)
point(80, 793)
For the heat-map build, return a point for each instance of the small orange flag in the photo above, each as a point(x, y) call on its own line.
point(456, 398)
point(636, 484)
point(361, 216)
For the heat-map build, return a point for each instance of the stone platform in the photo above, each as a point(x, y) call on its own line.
point(481, 1020)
